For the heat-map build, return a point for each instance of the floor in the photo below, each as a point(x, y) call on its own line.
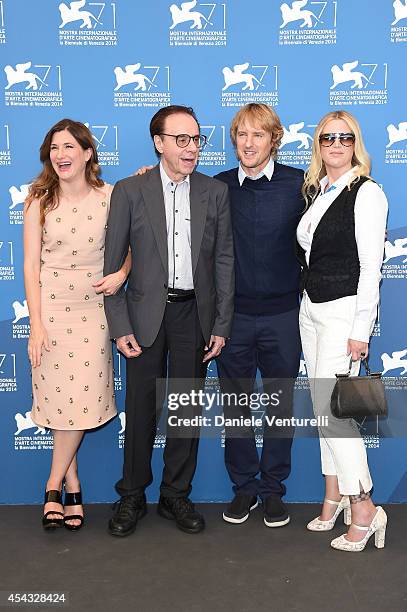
point(243, 568)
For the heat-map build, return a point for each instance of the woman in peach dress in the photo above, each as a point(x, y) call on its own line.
point(69, 349)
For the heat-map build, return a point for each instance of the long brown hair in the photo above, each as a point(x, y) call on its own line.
point(45, 187)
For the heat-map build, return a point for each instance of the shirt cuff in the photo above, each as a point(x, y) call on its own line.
point(361, 331)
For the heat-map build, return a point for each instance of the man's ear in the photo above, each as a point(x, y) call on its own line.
point(158, 143)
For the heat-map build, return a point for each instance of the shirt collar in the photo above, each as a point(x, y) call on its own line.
point(340, 182)
point(267, 172)
point(166, 180)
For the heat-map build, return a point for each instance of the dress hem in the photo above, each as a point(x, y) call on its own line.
point(73, 428)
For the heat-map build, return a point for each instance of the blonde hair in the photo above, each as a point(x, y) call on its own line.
point(316, 170)
point(262, 115)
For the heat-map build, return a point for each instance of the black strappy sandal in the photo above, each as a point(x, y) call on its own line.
point(73, 499)
point(50, 524)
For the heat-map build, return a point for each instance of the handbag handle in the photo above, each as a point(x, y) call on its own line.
point(365, 363)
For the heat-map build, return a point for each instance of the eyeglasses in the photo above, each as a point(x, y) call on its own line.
point(346, 139)
point(183, 140)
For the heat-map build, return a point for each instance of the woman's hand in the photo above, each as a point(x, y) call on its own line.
point(358, 350)
point(142, 170)
point(110, 284)
point(37, 340)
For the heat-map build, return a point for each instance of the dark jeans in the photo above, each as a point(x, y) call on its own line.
point(270, 343)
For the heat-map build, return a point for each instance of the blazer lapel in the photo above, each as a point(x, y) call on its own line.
point(154, 200)
point(198, 198)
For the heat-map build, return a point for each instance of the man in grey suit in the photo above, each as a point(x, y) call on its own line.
point(177, 309)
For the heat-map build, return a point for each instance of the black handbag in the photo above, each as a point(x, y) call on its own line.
point(356, 397)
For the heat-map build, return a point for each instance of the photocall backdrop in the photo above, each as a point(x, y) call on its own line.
point(112, 65)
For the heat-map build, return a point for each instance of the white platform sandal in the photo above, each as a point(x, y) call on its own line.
point(376, 527)
point(317, 525)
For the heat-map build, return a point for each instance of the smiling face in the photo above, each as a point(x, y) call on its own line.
point(253, 147)
point(178, 162)
point(67, 156)
point(337, 158)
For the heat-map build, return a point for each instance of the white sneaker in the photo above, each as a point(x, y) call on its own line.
point(317, 525)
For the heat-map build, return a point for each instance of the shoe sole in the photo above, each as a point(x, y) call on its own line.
point(117, 534)
point(277, 523)
point(238, 521)
point(187, 530)
point(167, 515)
point(52, 527)
point(74, 527)
point(132, 530)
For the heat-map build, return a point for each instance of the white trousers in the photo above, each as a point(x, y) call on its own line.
point(325, 330)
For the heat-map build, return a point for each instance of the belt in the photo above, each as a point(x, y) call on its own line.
point(180, 295)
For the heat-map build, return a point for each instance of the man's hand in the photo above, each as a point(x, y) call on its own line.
point(128, 346)
point(216, 344)
point(358, 350)
point(143, 170)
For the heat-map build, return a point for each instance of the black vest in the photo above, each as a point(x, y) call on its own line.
point(334, 267)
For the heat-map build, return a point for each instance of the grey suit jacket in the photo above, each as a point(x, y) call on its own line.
point(137, 219)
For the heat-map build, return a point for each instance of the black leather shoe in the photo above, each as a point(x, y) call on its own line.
point(128, 510)
point(182, 511)
point(275, 512)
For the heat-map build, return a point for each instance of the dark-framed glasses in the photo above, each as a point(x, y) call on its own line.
point(183, 140)
point(345, 138)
